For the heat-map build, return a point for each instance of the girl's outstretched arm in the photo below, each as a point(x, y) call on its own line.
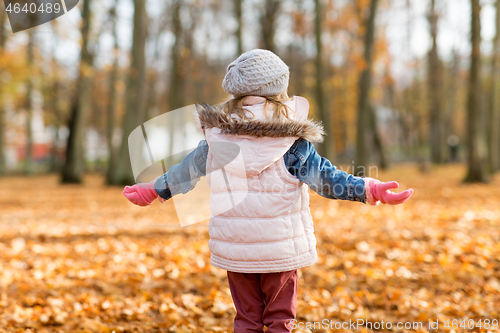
point(181, 178)
point(324, 178)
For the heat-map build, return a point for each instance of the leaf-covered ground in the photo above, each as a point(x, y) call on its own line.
point(83, 259)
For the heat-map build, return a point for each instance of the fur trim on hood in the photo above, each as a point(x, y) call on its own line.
point(213, 116)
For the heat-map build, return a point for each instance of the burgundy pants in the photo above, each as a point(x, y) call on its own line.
point(264, 299)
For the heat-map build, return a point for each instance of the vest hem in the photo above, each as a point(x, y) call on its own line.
point(272, 266)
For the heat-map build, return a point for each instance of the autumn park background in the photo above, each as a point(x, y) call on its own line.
point(407, 87)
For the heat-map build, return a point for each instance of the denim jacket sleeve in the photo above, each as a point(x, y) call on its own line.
point(182, 177)
point(323, 177)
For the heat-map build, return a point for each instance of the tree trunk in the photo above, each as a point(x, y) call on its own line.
point(476, 155)
point(136, 95)
point(152, 75)
point(342, 118)
point(3, 38)
point(268, 24)
point(176, 80)
point(451, 106)
point(326, 148)
point(53, 106)
point(113, 100)
point(239, 19)
point(410, 131)
point(74, 166)
point(364, 89)
point(28, 160)
point(55, 163)
point(494, 107)
point(176, 84)
point(377, 139)
point(435, 75)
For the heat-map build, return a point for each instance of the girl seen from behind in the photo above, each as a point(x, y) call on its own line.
point(261, 229)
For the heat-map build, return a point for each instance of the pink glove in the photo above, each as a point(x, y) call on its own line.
point(377, 191)
point(142, 194)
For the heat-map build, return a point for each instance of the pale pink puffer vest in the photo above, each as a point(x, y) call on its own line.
point(260, 218)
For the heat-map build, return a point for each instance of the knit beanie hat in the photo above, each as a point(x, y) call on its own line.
point(256, 72)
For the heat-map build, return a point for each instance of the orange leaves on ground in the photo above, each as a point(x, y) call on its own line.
point(82, 258)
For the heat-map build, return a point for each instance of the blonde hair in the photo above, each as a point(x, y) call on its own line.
point(280, 110)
